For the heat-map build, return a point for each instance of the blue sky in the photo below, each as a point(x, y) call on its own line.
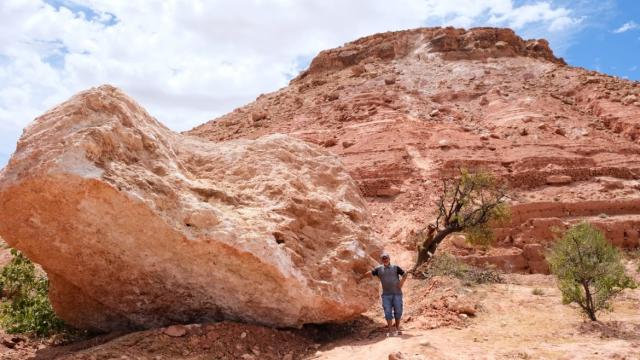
point(192, 61)
point(599, 47)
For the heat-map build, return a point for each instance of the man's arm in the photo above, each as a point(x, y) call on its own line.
point(369, 273)
point(403, 275)
point(403, 279)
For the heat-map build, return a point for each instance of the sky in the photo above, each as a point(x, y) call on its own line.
point(188, 62)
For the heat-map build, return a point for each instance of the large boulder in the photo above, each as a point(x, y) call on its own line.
point(138, 226)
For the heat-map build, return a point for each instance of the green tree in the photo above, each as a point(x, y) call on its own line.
point(467, 203)
point(26, 307)
point(589, 269)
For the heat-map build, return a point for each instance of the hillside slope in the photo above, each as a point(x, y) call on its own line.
point(403, 109)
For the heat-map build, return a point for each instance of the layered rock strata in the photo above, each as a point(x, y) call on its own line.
point(404, 109)
point(138, 226)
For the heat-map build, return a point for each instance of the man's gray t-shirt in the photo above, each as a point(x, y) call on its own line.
point(389, 277)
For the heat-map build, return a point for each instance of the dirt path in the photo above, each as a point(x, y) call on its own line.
point(514, 324)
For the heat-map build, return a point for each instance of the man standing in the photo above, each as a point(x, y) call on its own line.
point(392, 278)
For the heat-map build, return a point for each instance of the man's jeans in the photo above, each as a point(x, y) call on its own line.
point(392, 305)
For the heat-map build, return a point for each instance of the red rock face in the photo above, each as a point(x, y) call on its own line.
point(403, 109)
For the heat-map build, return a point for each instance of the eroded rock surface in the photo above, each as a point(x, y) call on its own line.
point(138, 226)
point(404, 109)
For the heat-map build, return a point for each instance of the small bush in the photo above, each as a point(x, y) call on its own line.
point(537, 292)
point(589, 269)
point(447, 265)
point(26, 307)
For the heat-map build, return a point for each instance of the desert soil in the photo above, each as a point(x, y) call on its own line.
point(505, 321)
point(513, 324)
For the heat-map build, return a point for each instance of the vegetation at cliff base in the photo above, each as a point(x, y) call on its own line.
point(25, 306)
point(589, 269)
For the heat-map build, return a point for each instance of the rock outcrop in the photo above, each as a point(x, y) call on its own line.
point(450, 43)
point(404, 109)
point(138, 226)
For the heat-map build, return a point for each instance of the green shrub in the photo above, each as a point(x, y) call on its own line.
point(589, 269)
point(25, 307)
point(447, 265)
point(537, 292)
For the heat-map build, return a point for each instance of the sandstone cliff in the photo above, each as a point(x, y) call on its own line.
point(138, 226)
point(403, 109)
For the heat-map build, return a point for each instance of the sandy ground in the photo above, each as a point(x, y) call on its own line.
point(510, 322)
point(513, 324)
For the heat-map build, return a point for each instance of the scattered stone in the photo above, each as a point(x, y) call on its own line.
point(358, 70)
point(348, 143)
point(332, 96)
point(330, 142)
point(629, 99)
point(257, 116)
point(389, 191)
point(389, 80)
point(318, 82)
point(8, 342)
point(397, 356)
point(613, 185)
point(464, 308)
point(501, 44)
point(175, 331)
point(559, 180)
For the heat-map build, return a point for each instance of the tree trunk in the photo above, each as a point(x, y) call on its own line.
point(591, 311)
point(428, 248)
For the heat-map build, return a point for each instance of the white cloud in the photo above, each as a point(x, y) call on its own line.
point(631, 25)
point(188, 62)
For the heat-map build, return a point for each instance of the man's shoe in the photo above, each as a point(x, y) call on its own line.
point(399, 332)
point(389, 334)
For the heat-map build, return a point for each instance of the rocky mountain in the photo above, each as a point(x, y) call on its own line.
point(405, 109)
